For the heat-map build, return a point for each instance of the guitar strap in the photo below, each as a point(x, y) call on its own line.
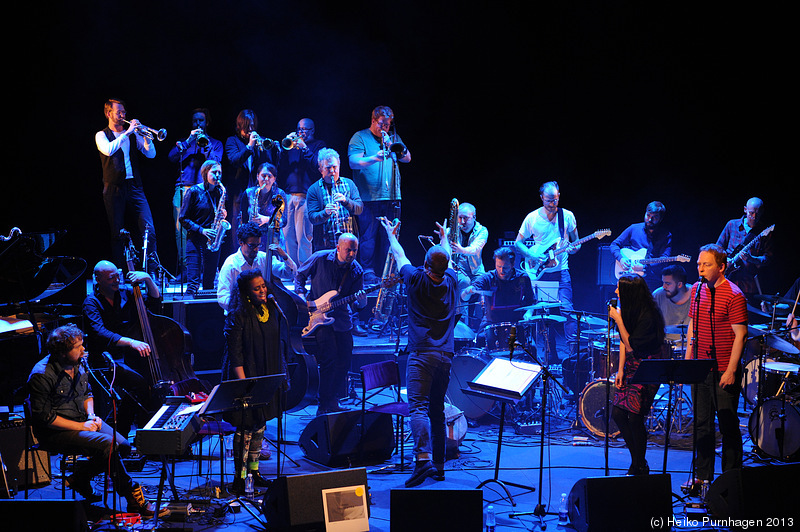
point(561, 223)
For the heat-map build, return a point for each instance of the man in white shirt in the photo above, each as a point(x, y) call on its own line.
point(248, 257)
point(673, 299)
point(122, 182)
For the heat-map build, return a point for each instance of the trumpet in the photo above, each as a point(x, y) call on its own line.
point(397, 149)
point(263, 143)
point(290, 142)
point(201, 139)
point(149, 132)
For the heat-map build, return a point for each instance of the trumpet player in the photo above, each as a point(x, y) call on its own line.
point(374, 154)
point(121, 146)
point(297, 170)
point(333, 203)
point(189, 155)
point(246, 151)
point(200, 209)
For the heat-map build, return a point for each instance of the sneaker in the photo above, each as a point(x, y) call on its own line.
point(83, 488)
point(423, 470)
point(138, 504)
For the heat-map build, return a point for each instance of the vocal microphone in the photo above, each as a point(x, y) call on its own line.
point(280, 310)
point(612, 302)
point(517, 514)
point(512, 341)
point(700, 283)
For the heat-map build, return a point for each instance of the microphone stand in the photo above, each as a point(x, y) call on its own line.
point(540, 510)
point(607, 408)
point(694, 340)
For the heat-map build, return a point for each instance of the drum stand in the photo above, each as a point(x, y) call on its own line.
point(676, 422)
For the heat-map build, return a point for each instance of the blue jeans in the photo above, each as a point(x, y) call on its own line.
point(565, 296)
point(709, 398)
point(427, 377)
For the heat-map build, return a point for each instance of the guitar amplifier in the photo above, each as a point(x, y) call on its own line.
point(506, 243)
point(12, 449)
point(605, 266)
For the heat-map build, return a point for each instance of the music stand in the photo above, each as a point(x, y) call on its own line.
point(670, 371)
point(506, 381)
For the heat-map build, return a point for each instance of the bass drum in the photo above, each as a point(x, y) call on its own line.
point(764, 426)
point(592, 409)
point(466, 366)
point(750, 379)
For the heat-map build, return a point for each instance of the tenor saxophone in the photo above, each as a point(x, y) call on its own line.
point(383, 303)
point(254, 202)
point(220, 225)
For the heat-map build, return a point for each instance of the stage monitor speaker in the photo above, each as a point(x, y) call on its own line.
point(42, 514)
point(621, 504)
point(12, 447)
point(334, 440)
point(295, 502)
point(205, 321)
point(605, 266)
point(434, 509)
point(761, 492)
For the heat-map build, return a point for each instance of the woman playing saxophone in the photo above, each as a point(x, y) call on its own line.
point(202, 215)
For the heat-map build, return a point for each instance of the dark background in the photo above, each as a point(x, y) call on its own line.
point(622, 103)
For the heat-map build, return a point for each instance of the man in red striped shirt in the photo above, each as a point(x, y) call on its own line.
point(718, 314)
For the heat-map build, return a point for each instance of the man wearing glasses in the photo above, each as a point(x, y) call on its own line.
point(297, 170)
point(374, 154)
point(248, 257)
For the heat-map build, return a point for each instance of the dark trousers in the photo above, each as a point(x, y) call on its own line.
point(710, 398)
point(201, 263)
point(134, 405)
point(427, 377)
point(373, 245)
point(97, 446)
point(334, 355)
point(123, 201)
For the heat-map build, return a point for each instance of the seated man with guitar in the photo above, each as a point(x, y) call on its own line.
point(643, 244)
point(748, 245)
point(114, 330)
point(555, 235)
point(332, 270)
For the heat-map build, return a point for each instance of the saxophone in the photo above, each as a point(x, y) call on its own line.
point(452, 229)
point(254, 202)
point(383, 303)
point(220, 225)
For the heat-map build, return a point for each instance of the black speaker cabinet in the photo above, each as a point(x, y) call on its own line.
point(605, 266)
point(295, 502)
point(43, 514)
point(433, 509)
point(763, 492)
point(620, 504)
point(334, 440)
point(205, 320)
point(12, 447)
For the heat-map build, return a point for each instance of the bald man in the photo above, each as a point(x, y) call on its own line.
point(112, 319)
point(432, 291)
point(327, 270)
point(738, 233)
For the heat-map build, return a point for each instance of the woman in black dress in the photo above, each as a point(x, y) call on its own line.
point(641, 332)
point(252, 349)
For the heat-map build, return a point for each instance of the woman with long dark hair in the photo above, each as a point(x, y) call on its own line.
point(252, 349)
point(641, 332)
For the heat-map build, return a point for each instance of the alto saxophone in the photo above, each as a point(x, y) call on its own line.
point(220, 225)
point(254, 202)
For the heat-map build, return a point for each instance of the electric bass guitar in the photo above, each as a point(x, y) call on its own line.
point(737, 261)
point(638, 261)
point(552, 253)
point(319, 308)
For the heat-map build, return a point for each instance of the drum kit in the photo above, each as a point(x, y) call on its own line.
point(771, 384)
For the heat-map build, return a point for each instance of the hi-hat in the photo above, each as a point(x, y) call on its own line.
point(555, 318)
point(681, 328)
point(773, 299)
point(593, 321)
point(539, 306)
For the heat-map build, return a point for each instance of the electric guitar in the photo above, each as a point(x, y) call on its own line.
point(552, 254)
point(638, 261)
point(319, 308)
point(737, 261)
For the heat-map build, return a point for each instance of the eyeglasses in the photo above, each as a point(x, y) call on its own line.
point(253, 246)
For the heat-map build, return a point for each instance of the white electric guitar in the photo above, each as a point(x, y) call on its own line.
point(552, 253)
point(638, 261)
point(319, 308)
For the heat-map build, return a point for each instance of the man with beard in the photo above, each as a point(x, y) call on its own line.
point(673, 298)
point(738, 233)
point(649, 235)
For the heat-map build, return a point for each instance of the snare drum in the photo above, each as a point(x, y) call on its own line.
point(600, 358)
point(465, 367)
point(773, 375)
point(497, 337)
point(592, 407)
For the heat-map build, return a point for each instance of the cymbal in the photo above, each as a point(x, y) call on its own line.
point(539, 306)
point(755, 331)
point(555, 318)
point(758, 312)
point(593, 321)
point(774, 299)
point(486, 293)
point(680, 328)
point(776, 342)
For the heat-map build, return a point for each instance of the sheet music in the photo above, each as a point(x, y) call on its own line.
point(511, 376)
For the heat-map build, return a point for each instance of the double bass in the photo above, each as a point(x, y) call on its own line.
point(170, 343)
point(303, 370)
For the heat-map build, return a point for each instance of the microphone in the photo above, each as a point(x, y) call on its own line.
point(612, 302)
point(108, 358)
point(426, 237)
point(512, 341)
point(700, 283)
